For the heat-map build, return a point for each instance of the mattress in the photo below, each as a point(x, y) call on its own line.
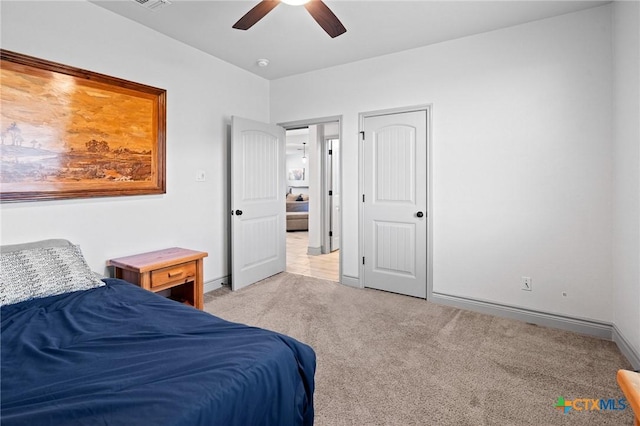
point(120, 355)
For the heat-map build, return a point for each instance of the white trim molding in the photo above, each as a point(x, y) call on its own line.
point(314, 251)
point(216, 284)
point(350, 281)
point(577, 325)
point(599, 329)
point(626, 348)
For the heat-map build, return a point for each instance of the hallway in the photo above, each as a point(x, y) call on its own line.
point(325, 266)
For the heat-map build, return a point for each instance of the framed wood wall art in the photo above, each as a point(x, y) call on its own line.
point(71, 133)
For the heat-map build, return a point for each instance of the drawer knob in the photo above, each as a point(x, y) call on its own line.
point(175, 274)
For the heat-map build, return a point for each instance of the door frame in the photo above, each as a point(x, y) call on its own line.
point(327, 181)
point(428, 109)
point(290, 125)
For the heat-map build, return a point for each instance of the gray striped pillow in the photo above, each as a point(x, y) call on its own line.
point(42, 272)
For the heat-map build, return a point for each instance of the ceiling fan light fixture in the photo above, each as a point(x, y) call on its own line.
point(295, 2)
point(319, 11)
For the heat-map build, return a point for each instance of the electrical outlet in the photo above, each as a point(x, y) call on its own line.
point(525, 283)
point(201, 176)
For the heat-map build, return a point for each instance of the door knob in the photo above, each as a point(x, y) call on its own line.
point(419, 214)
point(238, 212)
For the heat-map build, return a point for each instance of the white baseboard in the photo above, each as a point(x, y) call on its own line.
point(578, 325)
point(216, 284)
point(626, 348)
point(350, 281)
point(314, 251)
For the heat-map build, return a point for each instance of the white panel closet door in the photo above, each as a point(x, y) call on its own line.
point(258, 245)
point(395, 221)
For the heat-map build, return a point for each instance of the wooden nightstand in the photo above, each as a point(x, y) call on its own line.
point(175, 269)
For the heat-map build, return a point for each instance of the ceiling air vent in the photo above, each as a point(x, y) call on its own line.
point(153, 4)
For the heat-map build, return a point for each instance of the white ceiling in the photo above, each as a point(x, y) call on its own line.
point(294, 43)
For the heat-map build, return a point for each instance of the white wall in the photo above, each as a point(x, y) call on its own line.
point(521, 156)
point(202, 93)
point(294, 161)
point(521, 145)
point(626, 177)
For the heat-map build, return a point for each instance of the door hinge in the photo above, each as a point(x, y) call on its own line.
point(363, 260)
point(330, 233)
point(362, 134)
point(330, 152)
point(363, 198)
point(330, 193)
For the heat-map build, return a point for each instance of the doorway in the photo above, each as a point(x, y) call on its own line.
point(313, 178)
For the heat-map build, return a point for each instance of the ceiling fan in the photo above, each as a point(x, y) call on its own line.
point(318, 10)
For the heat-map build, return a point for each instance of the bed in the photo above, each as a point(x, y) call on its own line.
point(116, 354)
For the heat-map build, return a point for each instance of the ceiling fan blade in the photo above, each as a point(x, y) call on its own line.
point(258, 12)
point(325, 17)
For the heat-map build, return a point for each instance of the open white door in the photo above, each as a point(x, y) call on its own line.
point(258, 236)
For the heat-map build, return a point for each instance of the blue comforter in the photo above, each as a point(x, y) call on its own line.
point(120, 355)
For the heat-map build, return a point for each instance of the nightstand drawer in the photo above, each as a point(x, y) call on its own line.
point(173, 274)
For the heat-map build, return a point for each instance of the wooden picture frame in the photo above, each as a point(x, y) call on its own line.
point(72, 133)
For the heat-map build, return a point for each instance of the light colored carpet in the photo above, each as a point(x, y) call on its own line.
point(386, 359)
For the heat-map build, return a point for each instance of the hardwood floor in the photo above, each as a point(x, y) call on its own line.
point(325, 266)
